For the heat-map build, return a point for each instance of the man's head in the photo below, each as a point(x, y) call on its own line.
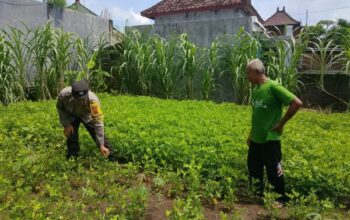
point(80, 89)
point(255, 71)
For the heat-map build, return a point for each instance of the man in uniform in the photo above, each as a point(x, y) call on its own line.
point(77, 104)
point(268, 98)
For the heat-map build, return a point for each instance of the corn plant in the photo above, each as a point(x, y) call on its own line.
point(211, 70)
point(84, 52)
point(60, 59)
point(283, 61)
point(138, 63)
point(346, 45)
point(8, 84)
point(324, 57)
point(237, 54)
point(126, 70)
point(19, 53)
point(144, 57)
point(41, 45)
point(165, 66)
point(97, 76)
point(188, 63)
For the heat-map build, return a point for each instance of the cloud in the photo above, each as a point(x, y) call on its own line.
point(129, 17)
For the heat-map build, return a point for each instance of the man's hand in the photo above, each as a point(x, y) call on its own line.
point(278, 128)
point(248, 141)
point(104, 151)
point(280, 170)
point(68, 130)
point(293, 108)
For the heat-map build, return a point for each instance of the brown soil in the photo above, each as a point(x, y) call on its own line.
point(158, 204)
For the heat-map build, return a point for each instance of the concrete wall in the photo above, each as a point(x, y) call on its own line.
point(13, 12)
point(82, 24)
point(337, 85)
point(34, 13)
point(202, 27)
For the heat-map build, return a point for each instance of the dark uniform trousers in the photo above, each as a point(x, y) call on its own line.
point(265, 155)
point(73, 146)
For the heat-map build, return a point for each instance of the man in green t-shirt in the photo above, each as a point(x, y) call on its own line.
point(268, 98)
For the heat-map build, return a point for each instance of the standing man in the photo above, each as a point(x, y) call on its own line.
point(77, 104)
point(268, 98)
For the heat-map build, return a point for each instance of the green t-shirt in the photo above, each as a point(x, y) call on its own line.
point(267, 101)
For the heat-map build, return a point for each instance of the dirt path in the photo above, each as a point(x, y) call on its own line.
point(158, 204)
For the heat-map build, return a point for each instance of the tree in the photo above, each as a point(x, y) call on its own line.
point(58, 3)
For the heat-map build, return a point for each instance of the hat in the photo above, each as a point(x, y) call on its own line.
point(80, 88)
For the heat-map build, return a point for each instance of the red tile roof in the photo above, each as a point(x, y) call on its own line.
point(168, 7)
point(281, 18)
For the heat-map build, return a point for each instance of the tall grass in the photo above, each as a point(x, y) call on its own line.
point(19, 52)
point(150, 66)
point(237, 53)
point(346, 45)
point(324, 57)
point(211, 70)
point(135, 70)
point(37, 63)
point(41, 46)
point(10, 88)
point(179, 68)
point(165, 67)
point(283, 61)
point(60, 60)
point(189, 63)
point(46, 59)
point(97, 76)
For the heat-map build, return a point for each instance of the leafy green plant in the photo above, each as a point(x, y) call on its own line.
point(165, 67)
point(19, 53)
point(324, 57)
point(138, 58)
point(283, 61)
point(10, 89)
point(269, 203)
point(60, 59)
point(188, 62)
point(308, 207)
point(211, 70)
point(41, 45)
point(190, 208)
point(237, 53)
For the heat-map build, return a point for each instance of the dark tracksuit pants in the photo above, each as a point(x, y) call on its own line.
point(266, 155)
point(73, 146)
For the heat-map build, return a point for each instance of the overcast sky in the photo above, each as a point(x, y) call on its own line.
point(129, 10)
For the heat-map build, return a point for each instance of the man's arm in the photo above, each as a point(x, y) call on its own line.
point(99, 130)
point(293, 108)
point(97, 122)
point(64, 117)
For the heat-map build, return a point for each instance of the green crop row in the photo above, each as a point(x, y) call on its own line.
point(194, 149)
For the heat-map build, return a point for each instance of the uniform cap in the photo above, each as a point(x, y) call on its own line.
point(80, 88)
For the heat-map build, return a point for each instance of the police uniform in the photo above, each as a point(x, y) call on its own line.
point(86, 111)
